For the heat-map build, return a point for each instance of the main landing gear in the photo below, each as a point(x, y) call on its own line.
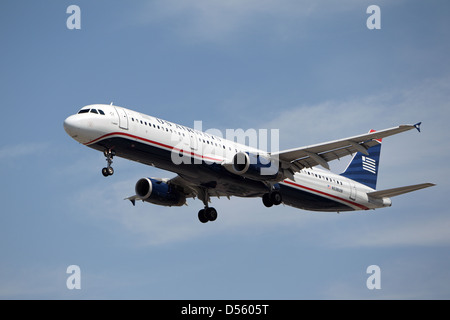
point(272, 198)
point(209, 213)
point(108, 170)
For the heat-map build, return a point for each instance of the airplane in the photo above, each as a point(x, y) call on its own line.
point(210, 166)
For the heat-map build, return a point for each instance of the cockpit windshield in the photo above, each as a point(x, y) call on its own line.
point(97, 111)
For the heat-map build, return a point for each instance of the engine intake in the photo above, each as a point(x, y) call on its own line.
point(158, 192)
point(253, 166)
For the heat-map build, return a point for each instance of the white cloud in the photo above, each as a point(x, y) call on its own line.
point(216, 21)
point(428, 101)
point(213, 20)
point(428, 229)
point(21, 150)
point(29, 282)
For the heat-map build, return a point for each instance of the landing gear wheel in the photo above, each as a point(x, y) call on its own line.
point(273, 198)
point(207, 214)
point(211, 214)
point(105, 172)
point(202, 216)
point(266, 200)
point(110, 171)
point(276, 198)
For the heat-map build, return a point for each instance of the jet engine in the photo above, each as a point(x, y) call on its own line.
point(158, 192)
point(255, 167)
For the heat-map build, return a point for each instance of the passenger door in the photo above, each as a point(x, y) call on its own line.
point(352, 191)
point(123, 118)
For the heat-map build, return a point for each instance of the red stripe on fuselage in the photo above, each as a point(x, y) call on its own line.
point(152, 142)
point(326, 194)
point(213, 159)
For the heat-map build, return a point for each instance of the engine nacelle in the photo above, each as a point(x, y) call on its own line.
point(254, 167)
point(158, 192)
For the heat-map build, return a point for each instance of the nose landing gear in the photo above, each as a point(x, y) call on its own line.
point(108, 170)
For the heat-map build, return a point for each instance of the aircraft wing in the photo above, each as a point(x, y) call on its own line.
point(183, 185)
point(296, 159)
point(192, 189)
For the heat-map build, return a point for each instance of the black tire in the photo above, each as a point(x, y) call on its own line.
point(202, 216)
point(105, 172)
point(266, 200)
point(211, 214)
point(276, 198)
point(110, 171)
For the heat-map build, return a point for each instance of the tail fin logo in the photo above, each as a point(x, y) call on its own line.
point(369, 164)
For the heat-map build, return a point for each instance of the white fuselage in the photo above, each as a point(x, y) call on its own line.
point(167, 145)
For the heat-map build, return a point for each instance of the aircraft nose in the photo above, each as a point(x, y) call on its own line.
point(71, 125)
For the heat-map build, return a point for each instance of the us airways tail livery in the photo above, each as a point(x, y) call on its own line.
point(210, 166)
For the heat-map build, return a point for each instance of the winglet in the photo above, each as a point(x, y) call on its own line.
point(417, 126)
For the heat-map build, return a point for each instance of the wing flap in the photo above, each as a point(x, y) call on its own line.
point(192, 188)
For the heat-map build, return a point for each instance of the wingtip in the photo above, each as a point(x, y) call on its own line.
point(417, 126)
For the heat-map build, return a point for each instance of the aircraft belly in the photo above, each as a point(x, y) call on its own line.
point(309, 201)
point(210, 175)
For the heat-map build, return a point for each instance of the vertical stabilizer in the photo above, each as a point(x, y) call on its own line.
point(364, 168)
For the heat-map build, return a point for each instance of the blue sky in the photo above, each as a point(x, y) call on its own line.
point(311, 69)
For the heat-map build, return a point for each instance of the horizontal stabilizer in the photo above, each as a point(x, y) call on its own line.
point(398, 191)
